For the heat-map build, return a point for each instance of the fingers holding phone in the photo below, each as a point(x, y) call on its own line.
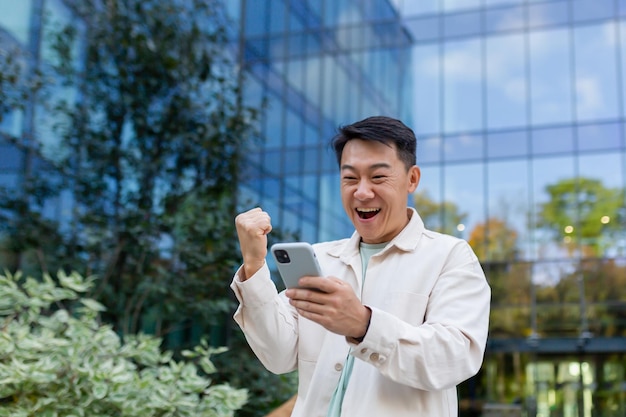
point(334, 305)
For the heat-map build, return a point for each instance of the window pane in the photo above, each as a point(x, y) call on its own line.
point(427, 198)
point(273, 162)
point(507, 227)
point(424, 29)
point(428, 150)
point(277, 15)
point(463, 147)
point(255, 17)
point(426, 89)
point(601, 215)
point(273, 122)
point(450, 5)
point(462, 24)
point(548, 235)
point(311, 162)
point(548, 14)
point(596, 77)
point(510, 299)
point(11, 158)
point(585, 10)
point(551, 77)
point(12, 123)
point(462, 68)
point(9, 180)
point(253, 92)
point(604, 284)
point(506, 82)
point(15, 18)
point(310, 186)
point(333, 220)
point(293, 129)
point(503, 144)
point(412, 7)
point(621, 7)
point(599, 136)
point(622, 53)
point(489, 3)
point(552, 140)
point(464, 188)
point(504, 19)
point(558, 298)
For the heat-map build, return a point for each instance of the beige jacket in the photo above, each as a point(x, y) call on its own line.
point(430, 311)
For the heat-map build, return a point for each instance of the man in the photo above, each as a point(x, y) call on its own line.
point(402, 316)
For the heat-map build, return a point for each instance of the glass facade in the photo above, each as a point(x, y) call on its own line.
point(518, 106)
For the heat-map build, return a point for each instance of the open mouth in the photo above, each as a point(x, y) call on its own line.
point(367, 213)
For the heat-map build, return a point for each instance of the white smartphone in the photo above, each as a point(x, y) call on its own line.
point(295, 260)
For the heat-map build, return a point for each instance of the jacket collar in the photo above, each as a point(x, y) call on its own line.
point(407, 240)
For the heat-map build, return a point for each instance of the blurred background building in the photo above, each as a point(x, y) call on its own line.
point(518, 106)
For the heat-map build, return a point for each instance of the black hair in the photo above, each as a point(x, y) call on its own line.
point(381, 129)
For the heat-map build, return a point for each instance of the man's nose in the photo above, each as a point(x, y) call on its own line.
point(363, 191)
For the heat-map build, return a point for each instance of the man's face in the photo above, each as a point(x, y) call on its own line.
point(374, 189)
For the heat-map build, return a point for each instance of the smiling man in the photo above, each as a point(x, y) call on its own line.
point(401, 317)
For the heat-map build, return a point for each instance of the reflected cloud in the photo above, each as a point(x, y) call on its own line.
point(588, 95)
point(515, 89)
point(511, 20)
point(462, 65)
point(538, 17)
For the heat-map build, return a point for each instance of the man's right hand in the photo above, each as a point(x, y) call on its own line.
point(252, 229)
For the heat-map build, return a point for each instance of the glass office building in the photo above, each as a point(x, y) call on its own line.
point(518, 106)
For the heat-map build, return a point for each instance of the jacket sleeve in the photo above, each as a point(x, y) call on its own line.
point(267, 320)
point(447, 346)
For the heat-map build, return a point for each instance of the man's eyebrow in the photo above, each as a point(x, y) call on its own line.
point(371, 167)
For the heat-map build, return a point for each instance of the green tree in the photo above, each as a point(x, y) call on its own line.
point(151, 148)
point(30, 234)
point(582, 213)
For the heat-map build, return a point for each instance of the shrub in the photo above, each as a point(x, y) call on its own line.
point(57, 359)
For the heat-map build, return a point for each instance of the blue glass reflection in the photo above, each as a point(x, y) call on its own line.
point(15, 18)
point(507, 144)
point(552, 140)
point(604, 136)
point(462, 24)
point(596, 71)
point(548, 14)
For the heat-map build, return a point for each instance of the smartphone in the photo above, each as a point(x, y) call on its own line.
point(295, 260)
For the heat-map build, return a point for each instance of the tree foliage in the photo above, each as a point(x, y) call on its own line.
point(443, 217)
point(580, 211)
point(494, 241)
point(151, 136)
point(56, 359)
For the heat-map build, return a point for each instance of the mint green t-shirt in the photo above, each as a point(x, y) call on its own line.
point(367, 251)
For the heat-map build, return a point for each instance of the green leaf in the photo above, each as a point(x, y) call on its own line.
point(93, 305)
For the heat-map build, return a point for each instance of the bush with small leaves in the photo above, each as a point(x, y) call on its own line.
point(58, 360)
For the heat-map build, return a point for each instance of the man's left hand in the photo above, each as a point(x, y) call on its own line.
point(332, 304)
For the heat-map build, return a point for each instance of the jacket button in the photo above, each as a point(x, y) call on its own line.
point(374, 357)
point(363, 350)
point(338, 367)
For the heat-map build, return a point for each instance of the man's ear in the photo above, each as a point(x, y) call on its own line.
point(414, 178)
